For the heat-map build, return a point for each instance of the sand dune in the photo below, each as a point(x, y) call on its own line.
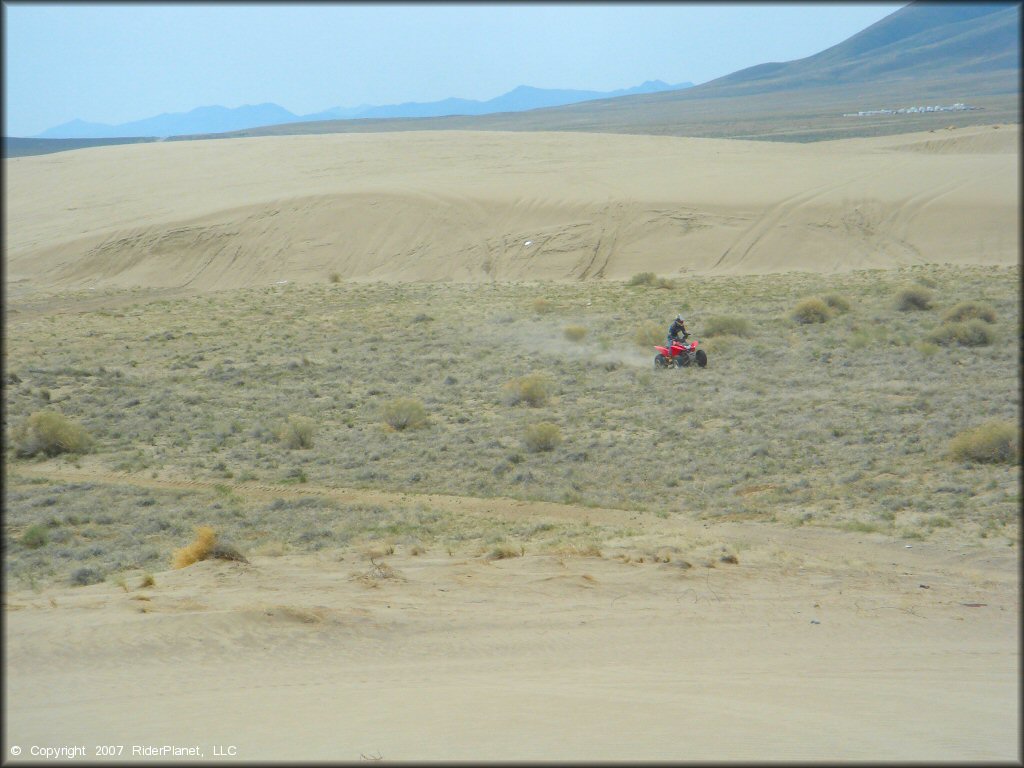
point(504, 206)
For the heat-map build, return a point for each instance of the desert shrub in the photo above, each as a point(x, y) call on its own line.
point(915, 297)
point(85, 576)
point(542, 306)
point(35, 536)
point(972, 333)
point(649, 334)
point(534, 390)
point(297, 432)
point(544, 436)
point(50, 433)
point(405, 413)
point(575, 332)
point(992, 442)
point(720, 325)
point(334, 277)
point(643, 278)
point(200, 549)
point(813, 310)
point(836, 302)
point(970, 310)
point(504, 551)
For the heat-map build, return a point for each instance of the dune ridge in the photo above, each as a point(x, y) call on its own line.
point(461, 206)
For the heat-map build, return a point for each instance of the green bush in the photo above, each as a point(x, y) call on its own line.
point(297, 432)
point(575, 333)
point(727, 326)
point(544, 436)
point(992, 442)
point(812, 310)
point(970, 310)
point(534, 390)
point(50, 433)
point(405, 413)
point(35, 536)
point(914, 298)
point(972, 333)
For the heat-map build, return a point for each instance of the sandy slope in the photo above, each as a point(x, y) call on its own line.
point(469, 206)
point(530, 658)
point(816, 645)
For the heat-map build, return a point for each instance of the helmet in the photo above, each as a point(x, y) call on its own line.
point(679, 319)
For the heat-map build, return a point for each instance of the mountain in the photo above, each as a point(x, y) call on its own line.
point(213, 119)
point(922, 41)
point(923, 54)
point(216, 119)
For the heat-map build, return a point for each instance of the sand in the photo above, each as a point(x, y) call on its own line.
point(816, 645)
point(222, 214)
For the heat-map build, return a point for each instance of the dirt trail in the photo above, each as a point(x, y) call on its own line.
point(821, 548)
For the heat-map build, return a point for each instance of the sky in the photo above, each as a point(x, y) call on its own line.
point(119, 62)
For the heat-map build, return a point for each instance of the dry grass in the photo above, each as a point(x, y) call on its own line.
point(970, 310)
point(812, 310)
point(405, 413)
point(543, 436)
point(200, 549)
point(969, 333)
point(533, 390)
point(879, 403)
point(914, 298)
point(575, 333)
point(727, 325)
point(297, 432)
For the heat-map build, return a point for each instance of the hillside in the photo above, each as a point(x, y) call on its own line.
point(923, 54)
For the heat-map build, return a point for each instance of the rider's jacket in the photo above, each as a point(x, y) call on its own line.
point(676, 329)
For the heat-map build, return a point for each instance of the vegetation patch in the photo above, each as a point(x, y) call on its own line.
point(405, 413)
point(970, 310)
point(970, 333)
point(914, 298)
point(49, 433)
point(297, 432)
point(812, 310)
point(727, 325)
point(992, 442)
point(533, 390)
point(541, 437)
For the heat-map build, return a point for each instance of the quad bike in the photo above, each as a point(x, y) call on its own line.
point(680, 355)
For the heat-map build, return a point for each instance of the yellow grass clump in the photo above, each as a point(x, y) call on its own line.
point(200, 549)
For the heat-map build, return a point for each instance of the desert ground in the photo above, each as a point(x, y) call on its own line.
point(358, 451)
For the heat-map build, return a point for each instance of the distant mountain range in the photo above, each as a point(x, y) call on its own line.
point(216, 119)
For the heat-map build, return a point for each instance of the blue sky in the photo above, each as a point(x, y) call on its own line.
point(127, 61)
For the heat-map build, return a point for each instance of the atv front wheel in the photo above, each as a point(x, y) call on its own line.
point(683, 360)
point(702, 358)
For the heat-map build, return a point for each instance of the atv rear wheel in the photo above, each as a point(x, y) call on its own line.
point(660, 361)
point(702, 358)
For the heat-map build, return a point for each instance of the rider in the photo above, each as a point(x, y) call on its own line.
point(677, 329)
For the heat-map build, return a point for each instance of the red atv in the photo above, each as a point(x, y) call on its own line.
point(680, 355)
